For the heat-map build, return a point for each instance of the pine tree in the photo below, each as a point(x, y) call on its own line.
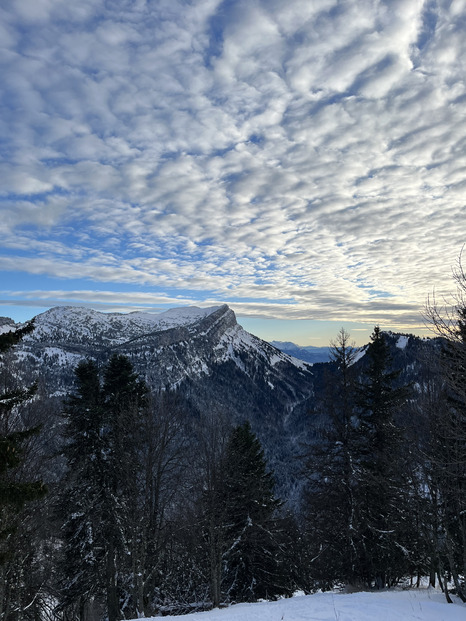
point(124, 401)
point(13, 494)
point(14, 491)
point(253, 553)
point(81, 505)
point(359, 493)
point(448, 458)
point(382, 488)
point(329, 502)
point(448, 454)
point(102, 422)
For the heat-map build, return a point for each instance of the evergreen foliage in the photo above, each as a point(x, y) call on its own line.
point(165, 509)
point(14, 490)
point(448, 452)
point(358, 493)
point(383, 492)
point(329, 500)
point(102, 420)
point(14, 493)
point(253, 553)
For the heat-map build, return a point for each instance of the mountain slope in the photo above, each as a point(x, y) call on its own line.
point(165, 349)
point(213, 361)
point(407, 605)
point(218, 367)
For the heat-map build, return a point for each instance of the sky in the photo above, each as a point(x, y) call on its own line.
point(303, 161)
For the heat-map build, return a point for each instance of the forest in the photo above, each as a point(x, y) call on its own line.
point(129, 506)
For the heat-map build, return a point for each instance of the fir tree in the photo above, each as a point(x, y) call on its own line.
point(359, 492)
point(14, 490)
point(329, 499)
point(81, 505)
point(253, 553)
point(13, 493)
point(382, 487)
point(102, 422)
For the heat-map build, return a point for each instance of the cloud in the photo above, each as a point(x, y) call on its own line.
point(298, 155)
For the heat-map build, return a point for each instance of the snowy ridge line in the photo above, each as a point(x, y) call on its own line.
point(73, 324)
point(236, 337)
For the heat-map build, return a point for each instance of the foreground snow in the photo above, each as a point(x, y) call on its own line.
point(413, 605)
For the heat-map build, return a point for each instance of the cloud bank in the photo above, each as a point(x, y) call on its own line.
point(294, 159)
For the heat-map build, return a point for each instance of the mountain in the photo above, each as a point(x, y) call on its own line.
point(217, 367)
point(307, 353)
point(204, 353)
point(183, 344)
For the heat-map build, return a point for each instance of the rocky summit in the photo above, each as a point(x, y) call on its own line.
point(202, 352)
point(217, 367)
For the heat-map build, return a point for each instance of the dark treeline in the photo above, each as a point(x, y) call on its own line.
point(152, 508)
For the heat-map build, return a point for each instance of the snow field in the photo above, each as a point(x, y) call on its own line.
point(412, 605)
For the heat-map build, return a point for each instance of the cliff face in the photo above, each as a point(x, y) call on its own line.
point(166, 349)
point(204, 353)
point(219, 369)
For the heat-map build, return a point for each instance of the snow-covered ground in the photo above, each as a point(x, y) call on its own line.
point(412, 605)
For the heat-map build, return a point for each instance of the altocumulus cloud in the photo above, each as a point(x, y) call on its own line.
point(295, 159)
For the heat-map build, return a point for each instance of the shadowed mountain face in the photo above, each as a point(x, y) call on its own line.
point(181, 345)
point(218, 368)
point(216, 365)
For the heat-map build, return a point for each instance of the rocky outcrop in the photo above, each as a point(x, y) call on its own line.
point(204, 353)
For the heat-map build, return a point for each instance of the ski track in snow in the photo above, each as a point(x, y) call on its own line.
point(412, 605)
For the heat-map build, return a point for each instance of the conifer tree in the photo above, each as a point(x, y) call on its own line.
point(14, 494)
point(124, 397)
point(358, 497)
point(329, 501)
point(102, 422)
point(449, 455)
point(253, 554)
point(81, 505)
point(382, 489)
point(14, 491)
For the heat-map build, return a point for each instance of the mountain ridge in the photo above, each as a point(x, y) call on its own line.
point(203, 353)
point(216, 365)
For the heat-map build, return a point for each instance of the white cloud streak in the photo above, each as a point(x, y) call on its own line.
point(294, 159)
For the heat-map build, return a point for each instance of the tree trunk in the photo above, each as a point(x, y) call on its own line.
point(113, 607)
point(215, 569)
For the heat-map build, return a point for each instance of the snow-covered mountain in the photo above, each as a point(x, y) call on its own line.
point(216, 365)
point(165, 349)
point(204, 353)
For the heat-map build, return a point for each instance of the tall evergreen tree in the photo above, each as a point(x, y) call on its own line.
point(448, 456)
point(102, 422)
point(382, 490)
point(81, 505)
point(253, 553)
point(124, 398)
point(13, 493)
point(329, 494)
point(14, 490)
point(359, 491)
